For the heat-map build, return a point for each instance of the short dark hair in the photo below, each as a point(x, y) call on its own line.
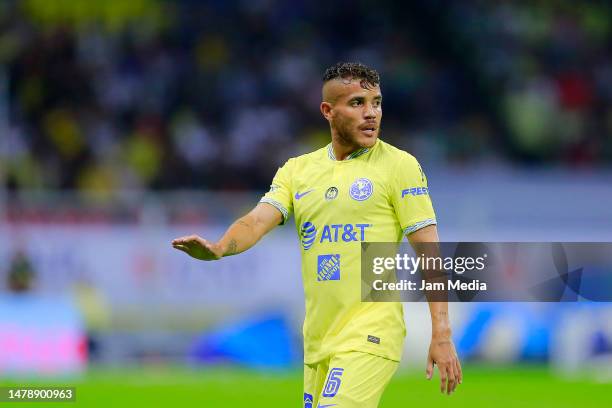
point(369, 76)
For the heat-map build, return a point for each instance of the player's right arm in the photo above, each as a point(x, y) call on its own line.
point(273, 209)
point(240, 236)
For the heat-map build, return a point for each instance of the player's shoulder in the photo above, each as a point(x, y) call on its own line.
point(307, 158)
point(394, 155)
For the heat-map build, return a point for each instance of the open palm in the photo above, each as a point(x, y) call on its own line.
point(198, 247)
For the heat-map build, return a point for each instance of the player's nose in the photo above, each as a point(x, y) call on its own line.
point(369, 112)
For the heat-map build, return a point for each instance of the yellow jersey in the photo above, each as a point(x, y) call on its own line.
point(377, 194)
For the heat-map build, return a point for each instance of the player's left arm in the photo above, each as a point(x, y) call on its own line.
point(441, 349)
point(410, 198)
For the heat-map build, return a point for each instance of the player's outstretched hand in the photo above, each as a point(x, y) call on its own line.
point(198, 247)
point(443, 354)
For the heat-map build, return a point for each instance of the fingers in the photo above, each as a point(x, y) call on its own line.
point(197, 247)
point(181, 247)
point(448, 379)
point(185, 239)
point(443, 377)
point(454, 374)
point(459, 371)
point(449, 367)
point(429, 369)
point(191, 239)
point(452, 378)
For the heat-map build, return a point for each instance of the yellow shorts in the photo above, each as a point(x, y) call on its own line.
point(350, 379)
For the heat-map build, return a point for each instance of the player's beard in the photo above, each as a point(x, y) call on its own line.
point(350, 135)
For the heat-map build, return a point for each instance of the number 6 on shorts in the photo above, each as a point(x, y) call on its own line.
point(333, 382)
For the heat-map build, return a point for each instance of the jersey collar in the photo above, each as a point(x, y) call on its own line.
point(356, 153)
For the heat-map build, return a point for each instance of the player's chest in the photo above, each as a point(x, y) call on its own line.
point(338, 192)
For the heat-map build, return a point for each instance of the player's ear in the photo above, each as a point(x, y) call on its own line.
point(326, 108)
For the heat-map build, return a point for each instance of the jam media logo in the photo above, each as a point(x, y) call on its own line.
point(308, 233)
point(307, 400)
point(361, 189)
point(328, 267)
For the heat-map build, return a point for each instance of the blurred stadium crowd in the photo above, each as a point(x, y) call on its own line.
point(217, 94)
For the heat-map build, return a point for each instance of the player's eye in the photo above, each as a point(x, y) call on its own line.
point(356, 103)
point(377, 103)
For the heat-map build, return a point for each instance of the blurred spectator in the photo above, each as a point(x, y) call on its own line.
point(549, 66)
point(21, 276)
point(159, 95)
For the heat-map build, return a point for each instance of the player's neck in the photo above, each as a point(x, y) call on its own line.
point(342, 150)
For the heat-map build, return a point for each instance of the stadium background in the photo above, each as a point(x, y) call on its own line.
point(126, 124)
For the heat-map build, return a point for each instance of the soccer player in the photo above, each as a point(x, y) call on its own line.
point(341, 195)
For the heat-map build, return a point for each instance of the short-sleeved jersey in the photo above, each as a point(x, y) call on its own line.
point(378, 194)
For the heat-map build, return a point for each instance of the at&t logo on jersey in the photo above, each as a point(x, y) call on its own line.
point(328, 267)
point(361, 189)
point(332, 233)
point(343, 232)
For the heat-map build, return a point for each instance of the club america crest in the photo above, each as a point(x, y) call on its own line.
point(361, 189)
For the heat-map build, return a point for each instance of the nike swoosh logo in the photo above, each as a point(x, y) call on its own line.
point(298, 195)
point(324, 406)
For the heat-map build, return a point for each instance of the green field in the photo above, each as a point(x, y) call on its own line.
point(522, 387)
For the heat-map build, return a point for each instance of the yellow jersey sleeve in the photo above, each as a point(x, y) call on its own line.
point(410, 195)
point(280, 194)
